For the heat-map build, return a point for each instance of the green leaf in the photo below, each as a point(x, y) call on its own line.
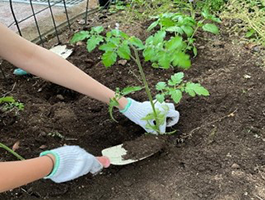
point(136, 42)
point(108, 47)
point(165, 108)
point(153, 25)
point(200, 23)
point(176, 79)
point(176, 95)
point(174, 43)
point(155, 65)
point(149, 116)
point(205, 13)
point(124, 35)
point(182, 60)
point(124, 51)
point(167, 22)
point(115, 32)
point(7, 99)
point(160, 98)
point(188, 30)
point(149, 40)
point(19, 105)
point(149, 53)
point(80, 36)
point(195, 88)
point(109, 58)
point(250, 33)
point(209, 16)
point(97, 29)
point(108, 34)
point(116, 41)
point(129, 90)
point(189, 90)
point(93, 42)
point(212, 28)
point(164, 60)
point(176, 29)
point(195, 52)
point(159, 37)
point(161, 117)
point(161, 86)
point(215, 19)
point(200, 90)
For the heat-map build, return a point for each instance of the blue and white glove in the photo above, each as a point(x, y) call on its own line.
point(136, 111)
point(72, 162)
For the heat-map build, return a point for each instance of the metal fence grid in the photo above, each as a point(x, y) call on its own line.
point(50, 3)
point(69, 3)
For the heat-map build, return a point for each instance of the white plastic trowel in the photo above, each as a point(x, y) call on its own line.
point(116, 154)
point(61, 50)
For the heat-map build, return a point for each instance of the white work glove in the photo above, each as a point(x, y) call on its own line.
point(71, 162)
point(136, 111)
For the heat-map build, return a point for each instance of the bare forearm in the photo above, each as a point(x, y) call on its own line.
point(57, 70)
point(51, 67)
point(18, 173)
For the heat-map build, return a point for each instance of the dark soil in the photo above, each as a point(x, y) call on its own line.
point(145, 145)
point(217, 152)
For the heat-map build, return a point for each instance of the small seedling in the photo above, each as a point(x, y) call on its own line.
point(9, 103)
point(185, 27)
point(117, 44)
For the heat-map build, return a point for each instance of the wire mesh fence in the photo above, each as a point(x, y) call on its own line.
point(68, 3)
point(47, 16)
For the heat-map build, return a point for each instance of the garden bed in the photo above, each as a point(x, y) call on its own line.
point(216, 153)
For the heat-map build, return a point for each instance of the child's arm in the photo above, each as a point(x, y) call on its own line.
point(17, 173)
point(44, 63)
point(60, 165)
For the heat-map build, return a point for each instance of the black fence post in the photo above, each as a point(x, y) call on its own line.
point(36, 22)
point(14, 16)
point(53, 21)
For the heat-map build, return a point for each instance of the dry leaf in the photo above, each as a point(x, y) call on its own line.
point(231, 115)
point(122, 62)
point(246, 76)
point(16, 146)
point(43, 147)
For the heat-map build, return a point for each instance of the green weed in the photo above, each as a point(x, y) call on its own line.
point(8, 103)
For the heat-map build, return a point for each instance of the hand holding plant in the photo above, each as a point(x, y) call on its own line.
point(141, 114)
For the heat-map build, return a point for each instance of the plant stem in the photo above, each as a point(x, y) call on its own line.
point(192, 13)
point(11, 151)
point(147, 89)
point(192, 36)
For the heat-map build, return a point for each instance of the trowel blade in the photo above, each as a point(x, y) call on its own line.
point(116, 154)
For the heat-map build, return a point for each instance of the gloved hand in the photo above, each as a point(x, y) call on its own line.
point(136, 111)
point(72, 162)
